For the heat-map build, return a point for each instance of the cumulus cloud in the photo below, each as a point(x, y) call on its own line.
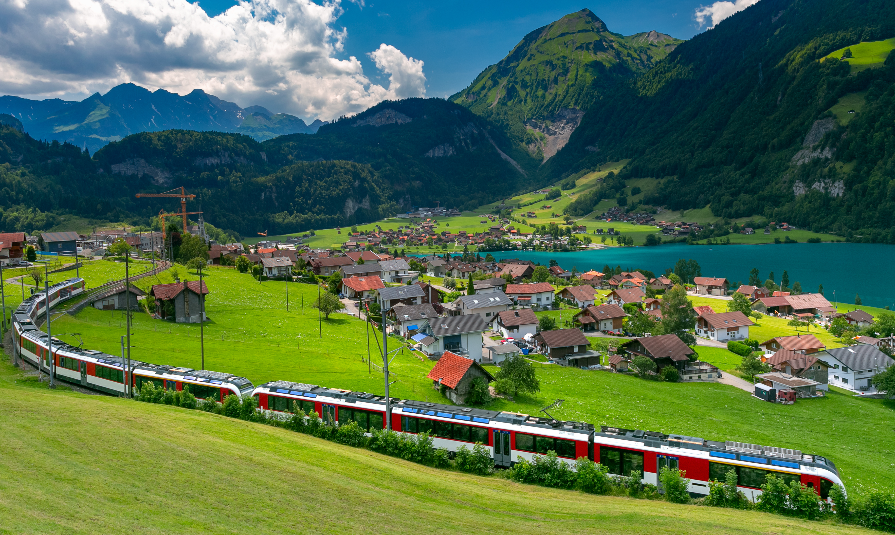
point(283, 54)
point(720, 11)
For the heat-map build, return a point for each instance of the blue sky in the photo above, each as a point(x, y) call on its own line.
point(457, 39)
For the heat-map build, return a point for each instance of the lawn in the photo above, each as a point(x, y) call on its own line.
point(92, 464)
point(866, 54)
point(851, 102)
point(720, 357)
point(251, 334)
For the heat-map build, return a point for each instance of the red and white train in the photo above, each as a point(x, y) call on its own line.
point(508, 436)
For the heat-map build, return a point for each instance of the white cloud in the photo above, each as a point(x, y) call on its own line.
point(721, 10)
point(282, 54)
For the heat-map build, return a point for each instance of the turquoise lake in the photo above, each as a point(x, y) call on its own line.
point(844, 268)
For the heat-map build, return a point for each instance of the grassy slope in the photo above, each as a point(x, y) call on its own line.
point(260, 343)
point(866, 54)
point(79, 464)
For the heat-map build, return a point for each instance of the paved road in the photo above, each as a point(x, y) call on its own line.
point(718, 297)
point(709, 343)
point(728, 378)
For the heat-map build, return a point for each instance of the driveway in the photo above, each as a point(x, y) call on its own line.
point(728, 378)
point(710, 343)
point(718, 297)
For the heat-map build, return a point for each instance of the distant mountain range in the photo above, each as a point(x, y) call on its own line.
point(129, 109)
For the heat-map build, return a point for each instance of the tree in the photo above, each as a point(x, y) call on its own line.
point(820, 289)
point(739, 303)
point(334, 282)
point(754, 279)
point(191, 247)
point(195, 264)
point(839, 326)
point(639, 324)
point(675, 279)
point(478, 392)
point(644, 365)
point(518, 375)
point(884, 325)
point(541, 274)
point(470, 288)
point(328, 303)
point(847, 54)
point(489, 257)
point(857, 299)
point(554, 263)
point(751, 365)
point(670, 374)
point(771, 277)
point(30, 253)
point(546, 323)
point(120, 248)
point(885, 381)
point(677, 314)
point(784, 281)
point(770, 285)
point(37, 275)
point(652, 240)
point(796, 288)
point(243, 264)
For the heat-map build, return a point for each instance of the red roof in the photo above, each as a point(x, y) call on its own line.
point(709, 281)
point(170, 291)
point(266, 251)
point(703, 310)
point(450, 369)
point(526, 289)
point(798, 343)
point(364, 284)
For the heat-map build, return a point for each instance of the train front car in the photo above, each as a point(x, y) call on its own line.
point(203, 384)
point(705, 460)
point(278, 399)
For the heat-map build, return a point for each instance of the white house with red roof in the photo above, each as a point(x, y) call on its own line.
point(12, 246)
point(723, 327)
point(536, 294)
point(363, 287)
point(802, 343)
point(711, 285)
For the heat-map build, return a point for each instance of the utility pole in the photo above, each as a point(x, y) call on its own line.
point(319, 317)
point(388, 401)
point(127, 312)
point(3, 298)
point(287, 296)
point(127, 381)
point(201, 319)
point(49, 331)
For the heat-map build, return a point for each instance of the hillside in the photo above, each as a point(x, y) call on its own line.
point(744, 118)
point(93, 464)
point(540, 90)
point(129, 109)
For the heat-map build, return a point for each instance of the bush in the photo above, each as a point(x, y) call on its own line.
point(185, 398)
point(592, 477)
point(773, 495)
point(546, 470)
point(232, 406)
point(478, 392)
point(553, 194)
point(670, 374)
point(804, 502)
point(675, 485)
point(841, 502)
point(248, 409)
point(351, 434)
point(739, 348)
point(210, 404)
point(876, 512)
point(751, 343)
point(726, 494)
point(478, 461)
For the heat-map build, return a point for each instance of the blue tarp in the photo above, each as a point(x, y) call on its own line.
point(412, 327)
point(418, 337)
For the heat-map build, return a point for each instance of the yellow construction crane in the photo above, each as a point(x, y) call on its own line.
point(183, 195)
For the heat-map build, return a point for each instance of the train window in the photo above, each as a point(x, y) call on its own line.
point(752, 477)
point(611, 458)
point(375, 421)
point(479, 434)
point(408, 425)
point(204, 392)
point(461, 432)
point(423, 426)
point(544, 444)
point(566, 448)
point(170, 384)
point(442, 429)
point(525, 442)
point(110, 374)
point(631, 461)
point(825, 486)
point(718, 471)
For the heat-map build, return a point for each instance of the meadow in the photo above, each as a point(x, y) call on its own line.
point(250, 333)
point(868, 54)
point(92, 464)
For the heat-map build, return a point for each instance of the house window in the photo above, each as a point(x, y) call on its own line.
point(487, 314)
point(845, 380)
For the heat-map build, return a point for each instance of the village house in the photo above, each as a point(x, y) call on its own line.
point(59, 242)
point(601, 318)
point(362, 287)
point(495, 284)
point(277, 267)
point(430, 294)
point(435, 267)
point(854, 367)
point(362, 270)
point(698, 371)
point(184, 301)
point(664, 350)
point(858, 318)
point(117, 298)
point(633, 296)
point(560, 273)
point(12, 246)
point(536, 294)
point(569, 347)
point(486, 305)
point(803, 387)
point(455, 374)
point(723, 327)
point(753, 292)
point(411, 319)
point(461, 335)
point(366, 256)
point(594, 278)
point(802, 343)
point(518, 272)
point(328, 265)
point(409, 295)
point(499, 353)
point(516, 323)
point(801, 365)
point(583, 296)
point(711, 285)
point(397, 271)
point(660, 284)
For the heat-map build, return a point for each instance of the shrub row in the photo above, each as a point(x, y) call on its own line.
point(876, 511)
point(739, 348)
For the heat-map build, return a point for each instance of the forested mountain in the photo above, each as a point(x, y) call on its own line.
point(753, 118)
point(128, 109)
point(540, 90)
point(401, 154)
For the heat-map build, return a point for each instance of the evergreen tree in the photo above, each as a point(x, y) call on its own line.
point(796, 288)
point(857, 299)
point(784, 281)
point(820, 289)
point(470, 288)
point(677, 314)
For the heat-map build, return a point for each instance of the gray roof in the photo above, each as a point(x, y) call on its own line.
point(436, 262)
point(489, 283)
point(279, 261)
point(504, 348)
point(469, 323)
point(485, 300)
point(862, 357)
point(362, 269)
point(414, 312)
point(394, 265)
point(401, 292)
point(59, 236)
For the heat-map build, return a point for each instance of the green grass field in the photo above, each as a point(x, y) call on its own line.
point(91, 464)
point(851, 102)
point(866, 55)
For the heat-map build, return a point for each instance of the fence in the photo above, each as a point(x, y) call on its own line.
point(91, 294)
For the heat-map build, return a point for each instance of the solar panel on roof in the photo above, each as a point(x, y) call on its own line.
point(190, 378)
point(428, 413)
point(408, 409)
